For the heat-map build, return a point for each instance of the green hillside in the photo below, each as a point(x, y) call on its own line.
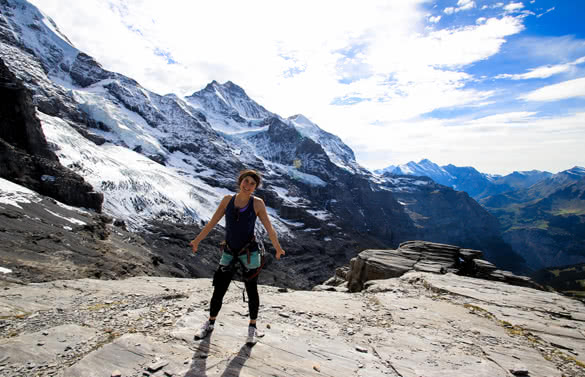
point(569, 280)
point(544, 223)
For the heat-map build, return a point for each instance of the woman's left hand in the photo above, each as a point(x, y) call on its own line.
point(194, 246)
point(279, 253)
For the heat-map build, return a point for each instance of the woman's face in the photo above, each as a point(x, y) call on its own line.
point(248, 185)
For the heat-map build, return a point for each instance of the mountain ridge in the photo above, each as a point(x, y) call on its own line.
point(476, 184)
point(541, 214)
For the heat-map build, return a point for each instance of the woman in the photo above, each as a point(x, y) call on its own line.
point(240, 247)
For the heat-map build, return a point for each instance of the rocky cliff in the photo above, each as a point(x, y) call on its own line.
point(25, 156)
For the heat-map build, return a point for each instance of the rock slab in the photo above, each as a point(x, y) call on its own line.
point(420, 324)
point(426, 257)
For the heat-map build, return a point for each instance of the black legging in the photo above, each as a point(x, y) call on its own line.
point(221, 281)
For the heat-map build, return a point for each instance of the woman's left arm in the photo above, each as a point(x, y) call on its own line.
point(260, 208)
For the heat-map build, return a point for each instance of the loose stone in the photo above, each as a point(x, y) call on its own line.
point(519, 372)
point(157, 366)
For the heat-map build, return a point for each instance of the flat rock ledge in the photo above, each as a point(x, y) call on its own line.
point(421, 256)
point(420, 324)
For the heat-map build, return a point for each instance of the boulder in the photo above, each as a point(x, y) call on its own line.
point(425, 257)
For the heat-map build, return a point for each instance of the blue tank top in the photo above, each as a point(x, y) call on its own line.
point(239, 224)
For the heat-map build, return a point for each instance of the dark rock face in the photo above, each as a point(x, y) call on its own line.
point(136, 101)
point(85, 71)
point(20, 127)
point(452, 217)
point(43, 241)
point(425, 257)
point(24, 155)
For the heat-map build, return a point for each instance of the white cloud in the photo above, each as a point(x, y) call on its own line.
point(461, 6)
point(498, 120)
point(566, 89)
point(466, 4)
point(547, 11)
point(378, 52)
point(513, 7)
point(434, 19)
point(494, 144)
point(378, 45)
point(544, 71)
point(461, 46)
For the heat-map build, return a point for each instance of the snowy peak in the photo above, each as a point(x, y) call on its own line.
point(28, 26)
point(566, 177)
point(305, 126)
point(576, 171)
point(339, 153)
point(468, 179)
point(230, 100)
point(231, 111)
point(424, 168)
point(428, 166)
point(300, 119)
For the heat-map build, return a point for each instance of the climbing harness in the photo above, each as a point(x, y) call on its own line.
point(247, 249)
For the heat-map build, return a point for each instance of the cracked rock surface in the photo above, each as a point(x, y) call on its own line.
point(420, 324)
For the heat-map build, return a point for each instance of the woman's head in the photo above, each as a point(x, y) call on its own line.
point(249, 174)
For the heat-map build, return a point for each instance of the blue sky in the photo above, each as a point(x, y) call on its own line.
point(498, 85)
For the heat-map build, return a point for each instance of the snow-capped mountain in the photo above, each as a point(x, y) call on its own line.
point(163, 158)
point(339, 153)
point(230, 101)
point(476, 184)
point(232, 113)
point(424, 168)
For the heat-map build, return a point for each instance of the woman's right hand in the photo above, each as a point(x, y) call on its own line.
point(194, 245)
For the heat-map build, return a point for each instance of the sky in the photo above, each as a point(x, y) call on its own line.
point(499, 86)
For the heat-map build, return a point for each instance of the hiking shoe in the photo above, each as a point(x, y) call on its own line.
point(253, 335)
point(205, 330)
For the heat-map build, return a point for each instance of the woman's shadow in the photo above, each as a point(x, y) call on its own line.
point(199, 361)
point(233, 369)
point(235, 366)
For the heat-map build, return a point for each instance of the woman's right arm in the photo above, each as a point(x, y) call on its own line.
point(219, 212)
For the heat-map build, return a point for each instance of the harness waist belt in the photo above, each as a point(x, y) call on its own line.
point(244, 250)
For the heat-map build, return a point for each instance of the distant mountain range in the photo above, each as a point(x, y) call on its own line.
point(477, 185)
point(545, 223)
point(542, 215)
